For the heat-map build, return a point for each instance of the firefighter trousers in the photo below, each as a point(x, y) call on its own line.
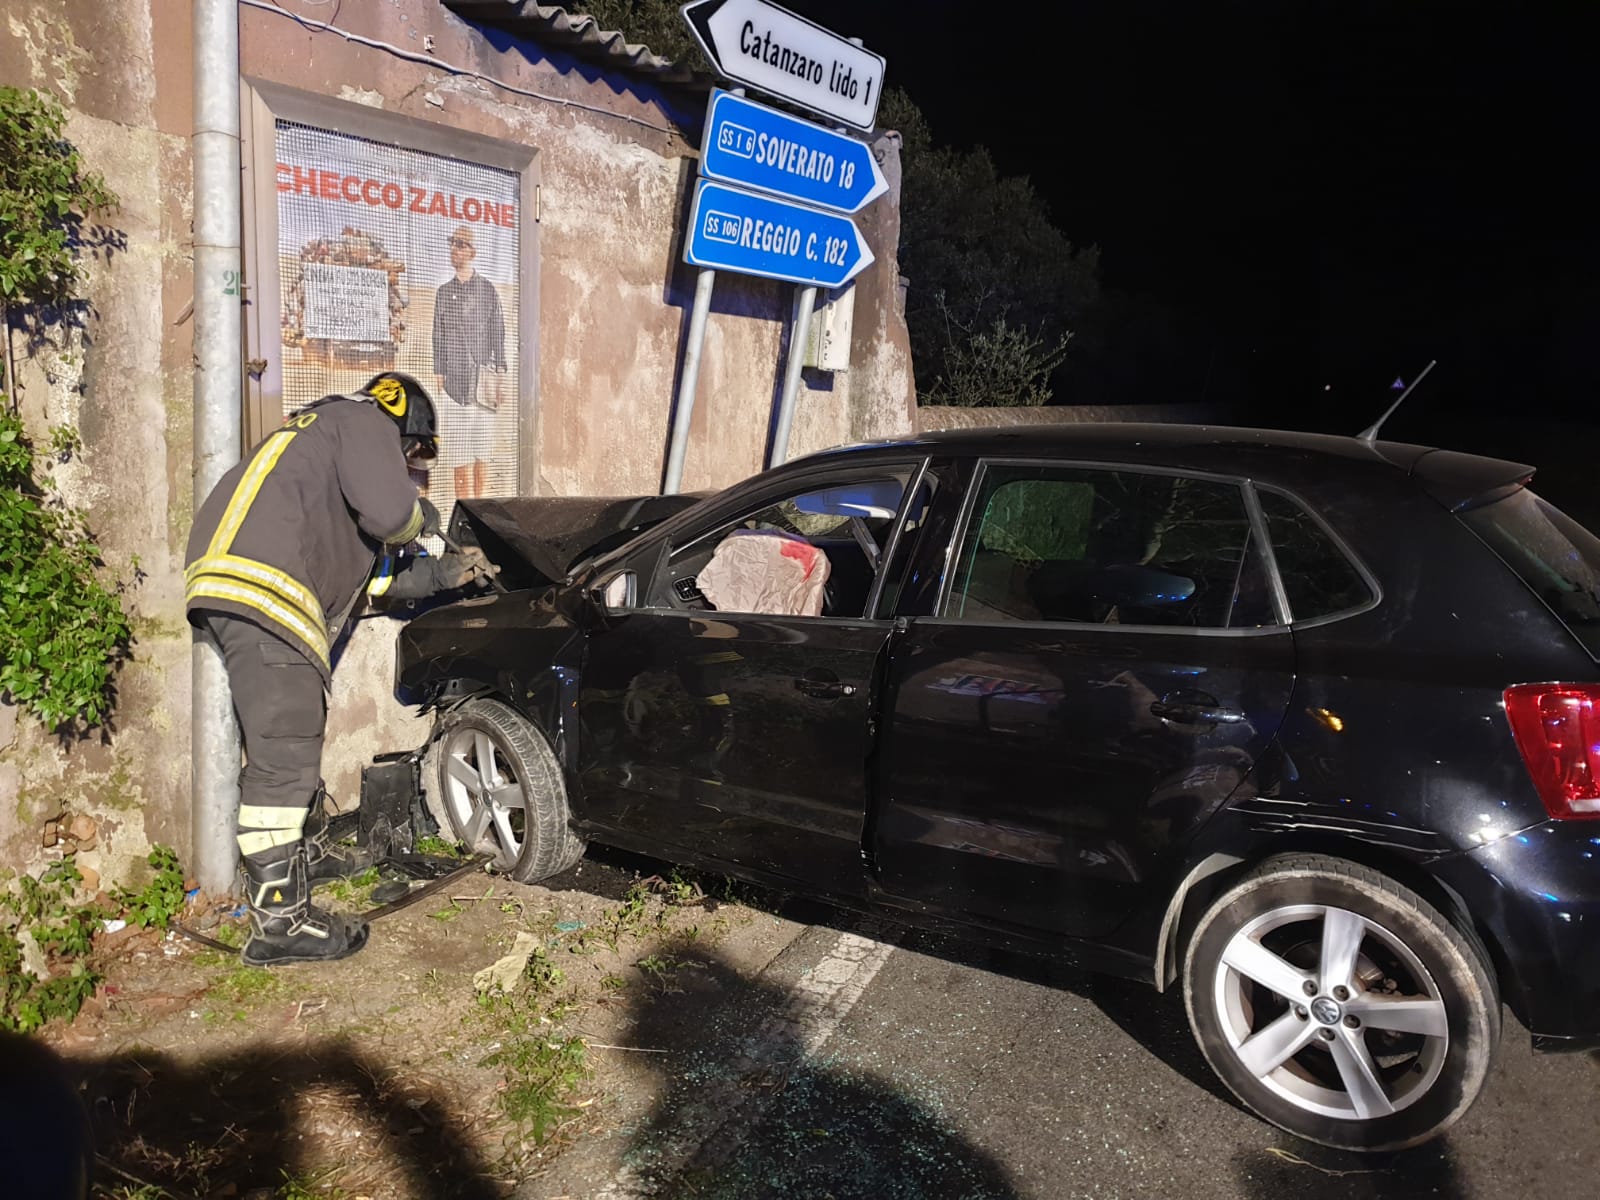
point(282, 710)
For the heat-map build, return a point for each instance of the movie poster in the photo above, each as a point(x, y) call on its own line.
point(392, 259)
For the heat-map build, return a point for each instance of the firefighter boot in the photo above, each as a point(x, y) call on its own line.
point(328, 859)
point(285, 927)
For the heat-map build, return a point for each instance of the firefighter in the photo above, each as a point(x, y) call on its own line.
point(281, 552)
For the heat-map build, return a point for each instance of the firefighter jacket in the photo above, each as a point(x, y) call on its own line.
point(289, 537)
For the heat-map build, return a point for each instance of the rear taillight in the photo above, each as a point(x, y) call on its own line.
point(1557, 728)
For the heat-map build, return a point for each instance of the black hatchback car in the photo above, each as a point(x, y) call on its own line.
point(1306, 726)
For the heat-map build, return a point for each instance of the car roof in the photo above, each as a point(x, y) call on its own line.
point(1288, 457)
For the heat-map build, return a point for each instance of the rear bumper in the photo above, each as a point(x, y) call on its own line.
point(1535, 898)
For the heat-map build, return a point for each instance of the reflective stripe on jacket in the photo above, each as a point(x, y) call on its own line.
point(289, 535)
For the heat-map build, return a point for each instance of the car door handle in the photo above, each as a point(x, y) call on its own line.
point(822, 685)
point(1196, 714)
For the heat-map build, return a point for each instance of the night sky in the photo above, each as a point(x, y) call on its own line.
point(1335, 194)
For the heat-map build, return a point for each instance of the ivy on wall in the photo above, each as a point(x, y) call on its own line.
point(63, 631)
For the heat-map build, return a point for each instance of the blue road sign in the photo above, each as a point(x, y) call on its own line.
point(756, 146)
point(731, 229)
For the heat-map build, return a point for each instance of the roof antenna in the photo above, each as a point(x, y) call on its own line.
point(1370, 433)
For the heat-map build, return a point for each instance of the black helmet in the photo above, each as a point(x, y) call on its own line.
point(408, 402)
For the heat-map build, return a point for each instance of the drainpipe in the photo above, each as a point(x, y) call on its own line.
point(218, 413)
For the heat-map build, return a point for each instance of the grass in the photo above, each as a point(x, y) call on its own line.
point(249, 986)
point(544, 1067)
point(658, 969)
point(631, 917)
point(356, 890)
point(311, 1187)
point(544, 974)
point(438, 847)
point(543, 1075)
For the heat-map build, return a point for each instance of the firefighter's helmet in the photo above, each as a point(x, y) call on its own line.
point(410, 407)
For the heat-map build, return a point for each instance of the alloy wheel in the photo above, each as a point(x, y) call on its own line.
point(486, 801)
point(1331, 1011)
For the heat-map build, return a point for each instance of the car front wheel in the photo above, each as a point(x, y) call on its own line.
point(1340, 1005)
point(492, 776)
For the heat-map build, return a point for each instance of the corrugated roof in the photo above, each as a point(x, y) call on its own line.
point(577, 33)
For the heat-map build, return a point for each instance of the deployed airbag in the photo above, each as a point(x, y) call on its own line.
point(762, 571)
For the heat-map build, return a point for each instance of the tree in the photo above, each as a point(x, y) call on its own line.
point(999, 366)
point(656, 23)
point(984, 261)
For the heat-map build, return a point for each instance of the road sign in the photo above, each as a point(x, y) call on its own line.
point(758, 44)
point(731, 229)
point(750, 144)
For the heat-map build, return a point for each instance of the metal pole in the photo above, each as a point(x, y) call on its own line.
point(218, 412)
point(805, 299)
point(679, 446)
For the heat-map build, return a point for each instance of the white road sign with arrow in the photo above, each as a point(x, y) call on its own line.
point(769, 48)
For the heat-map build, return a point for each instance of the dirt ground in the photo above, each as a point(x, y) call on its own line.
point(391, 1074)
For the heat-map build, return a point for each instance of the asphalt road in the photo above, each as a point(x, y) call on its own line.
point(897, 1066)
point(1030, 1081)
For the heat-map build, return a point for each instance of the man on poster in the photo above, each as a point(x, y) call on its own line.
point(469, 334)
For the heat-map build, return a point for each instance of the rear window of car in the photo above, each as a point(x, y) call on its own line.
point(1554, 555)
point(1318, 580)
point(1057, 543)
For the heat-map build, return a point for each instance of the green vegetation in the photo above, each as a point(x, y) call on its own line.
point(45, 195)
point(63, 631)
point(42, 923)
point(543, 1069)
point(438, 847)
point(42, 911)
point(316, 1186)
point(658, 969)
point(356, 890)
point(160, 900)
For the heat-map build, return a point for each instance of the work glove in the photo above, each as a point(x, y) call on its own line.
point(457, 570)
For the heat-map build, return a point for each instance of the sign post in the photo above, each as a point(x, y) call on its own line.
point(805, 301)
point(678, 447)
point(767, 178)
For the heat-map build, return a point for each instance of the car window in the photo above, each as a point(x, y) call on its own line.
point(1318, 579)
point(1046, 543)
point(815, 552)
point(1554, 555)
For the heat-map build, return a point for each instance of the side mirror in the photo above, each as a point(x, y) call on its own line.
point(608, 598)
point(618, 591)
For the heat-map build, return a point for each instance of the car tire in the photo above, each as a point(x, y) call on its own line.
point(519, 814)
point(1340, 1005)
